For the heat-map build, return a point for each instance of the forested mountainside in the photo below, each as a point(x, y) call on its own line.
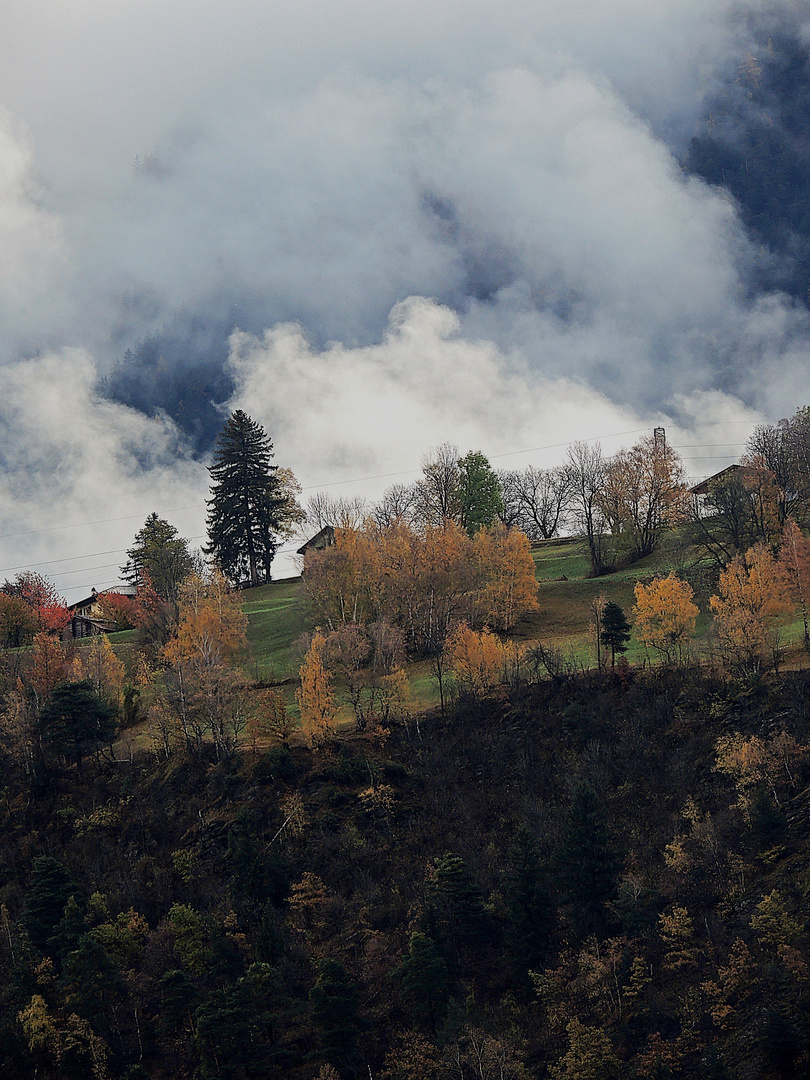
point(755, 144)
point(592, 877)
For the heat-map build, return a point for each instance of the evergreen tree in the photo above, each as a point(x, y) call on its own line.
point(479, 490)
point(76, 720)
point(587, 862)
point(50, 890)
point(160, 554)
point(424, 979)
point(615, 632)
point(333, 1007)
point(530, 911)
point(247, 505)
point(459, 900)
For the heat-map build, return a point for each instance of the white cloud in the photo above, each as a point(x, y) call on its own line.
point(454, 221)
point(366, 411)
point(68, 457)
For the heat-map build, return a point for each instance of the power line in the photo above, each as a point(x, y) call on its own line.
point(363, 479)
point(334, 483)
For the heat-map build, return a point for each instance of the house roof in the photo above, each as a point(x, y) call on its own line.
point(704, 486)
point(325, 537)
point(123, 590)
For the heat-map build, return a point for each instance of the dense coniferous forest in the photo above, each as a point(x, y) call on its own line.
point(550, 867)
point(580, 877)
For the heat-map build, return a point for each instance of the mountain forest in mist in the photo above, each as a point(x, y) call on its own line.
point(512, 782)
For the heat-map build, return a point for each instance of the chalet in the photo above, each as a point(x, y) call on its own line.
point(323, 539)
point(706, 485)
point(86, 615)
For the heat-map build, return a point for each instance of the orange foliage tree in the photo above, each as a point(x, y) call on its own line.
point(47, 668)
point(18, 623)
point(422, 581)
point(206, 688)
point(48, 607)
point(750, 604)
point(508, 586)
point(794, 567)
point(98, 664)
point(751, 761)
point(119, 609)
point(476, 659)
point(315, 697)
point(643, 493)
point(665, 617)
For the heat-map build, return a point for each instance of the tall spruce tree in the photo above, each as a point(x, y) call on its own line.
point(246, 508)
point(531, 915)
point(587, 863)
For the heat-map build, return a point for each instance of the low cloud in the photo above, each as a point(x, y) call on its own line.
point(373, 230)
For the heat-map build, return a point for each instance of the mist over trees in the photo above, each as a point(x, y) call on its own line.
point(754, 144)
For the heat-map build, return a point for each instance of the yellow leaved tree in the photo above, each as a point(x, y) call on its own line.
point(315, 696)
point(205, 688)
point(475, 658)
point(748, 611)
point(665, 615)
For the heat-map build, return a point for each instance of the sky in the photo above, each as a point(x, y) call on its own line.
point(375, 228)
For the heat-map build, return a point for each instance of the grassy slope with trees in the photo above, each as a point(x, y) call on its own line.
point(374, 905)
point(567, 872)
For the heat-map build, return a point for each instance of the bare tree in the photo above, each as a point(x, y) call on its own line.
point(538, 501)
point(586, 470)
point(399, 503)
point(438, 490)
point(339, 511)
point(643, 494)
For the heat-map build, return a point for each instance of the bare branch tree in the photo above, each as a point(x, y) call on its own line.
point(538, 501)
point(399, 503)
point(586, 469)
point(438, 490)
point(339, 511)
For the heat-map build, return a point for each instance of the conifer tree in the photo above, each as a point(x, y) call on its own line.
point(530, 911)
point(424, 978)
point(160, 555)
point(247, 504)
point(615, 631)
point(50, 890)
point(75, 721)
point(587, 862)
point(334, 1011)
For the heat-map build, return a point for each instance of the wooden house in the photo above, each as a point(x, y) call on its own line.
point(86, 615)
point(323, 539)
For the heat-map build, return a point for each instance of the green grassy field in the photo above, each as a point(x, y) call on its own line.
point(276, 617)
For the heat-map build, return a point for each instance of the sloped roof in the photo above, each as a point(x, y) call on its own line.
point(325, 537)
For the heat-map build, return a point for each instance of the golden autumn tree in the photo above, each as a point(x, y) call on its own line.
point(206, 687)
point(752, 761)
point(422, 580)
point(508, 582)
point(47, 668)
point(98, 664)
point(476, 658)
point(665, 615)
point(342, 580)
point(794, 567)
point(643, 493)
point(315, 697)
point(748, 610)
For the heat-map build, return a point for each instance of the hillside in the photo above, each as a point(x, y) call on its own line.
point(280, 613)
point(375, 907)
